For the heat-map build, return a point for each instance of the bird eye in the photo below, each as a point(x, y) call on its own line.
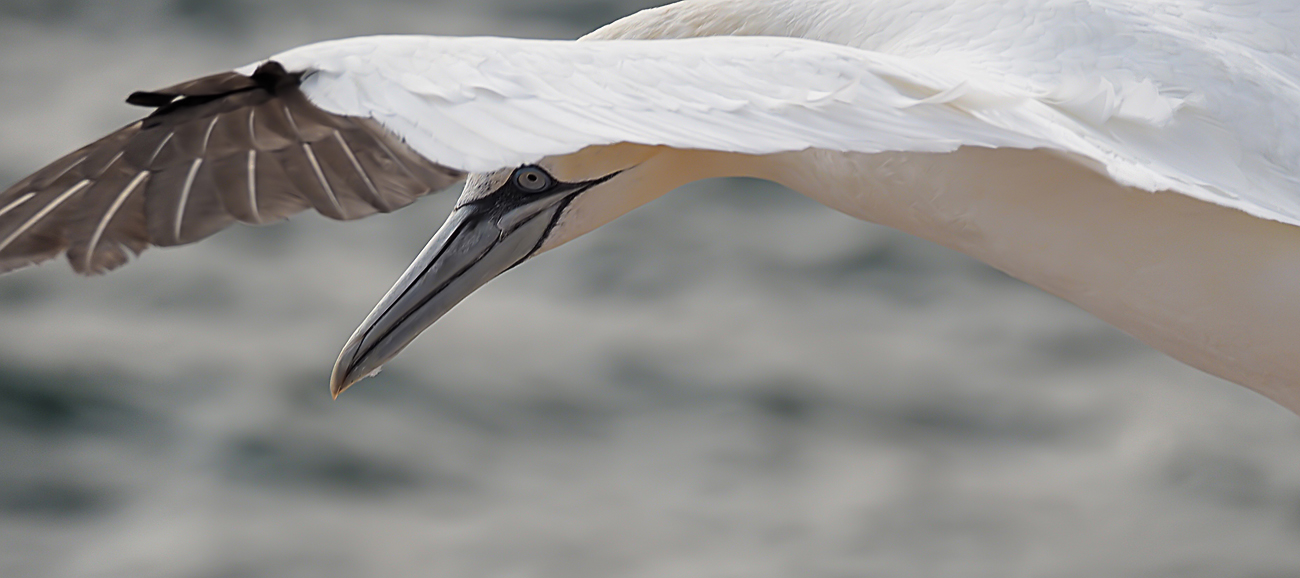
point(533, 180)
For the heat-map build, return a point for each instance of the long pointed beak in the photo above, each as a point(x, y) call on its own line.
point(476, 244)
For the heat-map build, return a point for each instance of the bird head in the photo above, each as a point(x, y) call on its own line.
point(503, 218)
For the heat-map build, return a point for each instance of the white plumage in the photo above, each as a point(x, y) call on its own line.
point(1140, 159)
point(1165, 95)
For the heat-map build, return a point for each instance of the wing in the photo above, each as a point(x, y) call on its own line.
point(219, 149)
point(480, 104)
point(1228, 134)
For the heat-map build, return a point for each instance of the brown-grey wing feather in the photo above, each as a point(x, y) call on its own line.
point(216, 150)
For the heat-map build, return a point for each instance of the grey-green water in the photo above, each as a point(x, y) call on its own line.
point(731, 381)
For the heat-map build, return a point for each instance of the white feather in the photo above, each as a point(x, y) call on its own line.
point(840, 99)
point(1171, 95)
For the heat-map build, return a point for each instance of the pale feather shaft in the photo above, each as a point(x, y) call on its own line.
point(15, 203)
point(184, 196)
point(320, 176)
point(356, 165)
point(252, 183)
point(51, 206)
point(108, 217)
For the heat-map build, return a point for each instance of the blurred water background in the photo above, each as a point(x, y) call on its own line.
point(731, 381)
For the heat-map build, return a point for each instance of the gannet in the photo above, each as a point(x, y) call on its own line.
point(1139, 158)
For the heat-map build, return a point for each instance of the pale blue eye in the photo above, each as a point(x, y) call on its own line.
point(532, 179)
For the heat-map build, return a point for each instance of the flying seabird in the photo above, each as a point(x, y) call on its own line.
point(1139, 158)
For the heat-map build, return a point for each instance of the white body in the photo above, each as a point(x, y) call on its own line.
point(1210, 286)
point(1139, 159)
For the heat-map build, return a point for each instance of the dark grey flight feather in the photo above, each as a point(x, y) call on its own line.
point(216, 150)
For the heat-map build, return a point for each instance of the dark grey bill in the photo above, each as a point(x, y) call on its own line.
point(479, 241)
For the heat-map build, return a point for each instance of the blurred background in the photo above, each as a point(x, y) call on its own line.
point(731, 381)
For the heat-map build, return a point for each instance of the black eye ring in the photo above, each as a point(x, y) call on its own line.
point(531, 179)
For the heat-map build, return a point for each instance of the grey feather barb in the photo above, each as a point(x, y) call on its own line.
point(219, 149)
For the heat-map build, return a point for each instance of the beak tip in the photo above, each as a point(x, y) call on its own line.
point(338, 383)
point(469, 250)
point(344, 374)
